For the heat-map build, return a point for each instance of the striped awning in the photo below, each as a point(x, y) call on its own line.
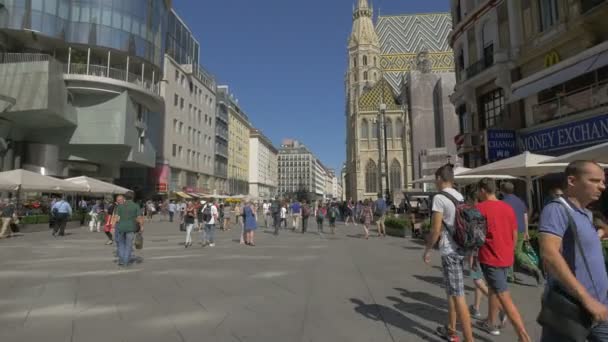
point(183, 195)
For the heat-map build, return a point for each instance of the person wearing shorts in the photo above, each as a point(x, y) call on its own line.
point(496, 256)
point(452, 258)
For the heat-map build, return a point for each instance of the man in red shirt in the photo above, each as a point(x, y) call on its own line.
point(496, 256)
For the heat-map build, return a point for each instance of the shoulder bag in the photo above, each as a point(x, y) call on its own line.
point(560, 311)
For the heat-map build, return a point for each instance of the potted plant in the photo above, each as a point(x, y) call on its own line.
point(396, 226)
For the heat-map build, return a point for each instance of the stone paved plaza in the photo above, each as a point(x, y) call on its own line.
point(294, 287)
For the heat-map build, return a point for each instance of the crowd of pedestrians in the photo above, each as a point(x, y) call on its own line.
point(575, 302)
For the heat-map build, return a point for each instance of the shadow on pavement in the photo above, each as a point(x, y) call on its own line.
point(422, 310)
point(394, 318)
point(438, 281)
point(413, 248)
point(423, 297)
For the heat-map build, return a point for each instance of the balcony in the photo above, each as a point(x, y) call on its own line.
point(479, 66)
point(574, 102)
point(122, 75)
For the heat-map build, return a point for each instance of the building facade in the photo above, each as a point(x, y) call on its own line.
point(239, 129)
point(531, 77)
point(82, 81)
point(301, 174)
point(263, 166)
point(221, 140)
point(186, 162)
point(397, 83)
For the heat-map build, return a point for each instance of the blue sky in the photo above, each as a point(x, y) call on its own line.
point(285, 61)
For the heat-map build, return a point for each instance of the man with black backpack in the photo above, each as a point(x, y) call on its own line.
point(452, 256)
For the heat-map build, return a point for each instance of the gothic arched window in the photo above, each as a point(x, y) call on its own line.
point(395, 175)
point(364, 60)
point(399, 129)
point(354, 62)
point(365, 75)
point(375, 130)
point(364, 129)
point(389, 129)
point(371, 177)
point(374, 61)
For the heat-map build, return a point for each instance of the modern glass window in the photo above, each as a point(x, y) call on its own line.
point(549, 14)
point(371, 177)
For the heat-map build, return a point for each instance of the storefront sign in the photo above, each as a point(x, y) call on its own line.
point(551, 58)
point(570, 136)
point(500, 144)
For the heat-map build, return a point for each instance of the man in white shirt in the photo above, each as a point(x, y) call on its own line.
point(172, 209)
point(266, 208)
point(452, 258)
point(210, 217)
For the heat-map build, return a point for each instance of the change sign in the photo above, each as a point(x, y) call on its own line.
point(500, 144)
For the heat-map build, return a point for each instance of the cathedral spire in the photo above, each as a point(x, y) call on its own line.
point(363, 10)
point(363, 25)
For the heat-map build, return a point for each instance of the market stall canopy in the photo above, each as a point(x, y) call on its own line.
point(597, 153)
point(95, 186)
point(23, 180)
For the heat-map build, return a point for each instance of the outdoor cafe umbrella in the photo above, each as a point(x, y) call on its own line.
point(598, 153)
point(527, 165)
point(95, 186)
point(460, 178)
point(27, 181)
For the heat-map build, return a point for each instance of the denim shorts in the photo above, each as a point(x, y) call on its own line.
point(496, 277)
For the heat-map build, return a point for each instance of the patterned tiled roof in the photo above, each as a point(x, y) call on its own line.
point(403, 37)
point(414, 33)
point(380, 93)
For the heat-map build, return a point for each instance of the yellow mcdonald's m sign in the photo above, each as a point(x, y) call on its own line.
point(551, 58)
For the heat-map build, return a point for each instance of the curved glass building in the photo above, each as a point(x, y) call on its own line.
point(83, 77)
point(136, 27)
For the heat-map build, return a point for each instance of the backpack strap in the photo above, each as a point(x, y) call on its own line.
point(451, 198)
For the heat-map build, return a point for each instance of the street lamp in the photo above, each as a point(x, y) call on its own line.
point(383, 145)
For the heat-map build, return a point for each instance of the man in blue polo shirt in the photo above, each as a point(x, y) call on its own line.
point(563, 260)
point(296, 214)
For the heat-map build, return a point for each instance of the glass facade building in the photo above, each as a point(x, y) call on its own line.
point(136, 27)
point(181, 44)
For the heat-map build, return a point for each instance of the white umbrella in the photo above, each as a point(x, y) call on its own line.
point(460, 178)
point(526, 165)
point(27, 181)
point(598, 153)
point(95, 186)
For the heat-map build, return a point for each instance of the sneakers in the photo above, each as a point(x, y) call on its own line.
point(447, 334)
point(502, 317)
point(485, 326)
point(109, 242)
point(212, 244)
point(475, 313)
